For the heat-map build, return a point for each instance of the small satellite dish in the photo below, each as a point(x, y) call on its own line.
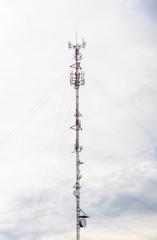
point(82, 222)
point(81, 147)
point(76, 193)
point(80, 176)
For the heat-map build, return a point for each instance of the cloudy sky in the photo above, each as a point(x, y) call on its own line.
point(118, 104)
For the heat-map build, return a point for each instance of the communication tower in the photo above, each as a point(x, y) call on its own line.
point(77, 80)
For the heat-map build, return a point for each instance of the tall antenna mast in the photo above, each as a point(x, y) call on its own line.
point(77, 79)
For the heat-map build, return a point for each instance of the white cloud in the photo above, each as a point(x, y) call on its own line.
point(37, 167)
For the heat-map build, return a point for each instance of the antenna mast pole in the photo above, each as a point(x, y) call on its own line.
point(77, 79)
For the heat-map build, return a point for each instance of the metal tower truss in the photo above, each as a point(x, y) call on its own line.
point(77, 80)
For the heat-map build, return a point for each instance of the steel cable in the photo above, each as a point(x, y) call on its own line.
point(122, 107)
point(33, 110)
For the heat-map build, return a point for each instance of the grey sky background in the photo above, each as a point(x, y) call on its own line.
point(118, 104)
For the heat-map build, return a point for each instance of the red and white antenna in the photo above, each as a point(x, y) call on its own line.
point(77, 79)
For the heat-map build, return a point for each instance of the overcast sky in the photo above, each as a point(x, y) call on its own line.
point(118, 104)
